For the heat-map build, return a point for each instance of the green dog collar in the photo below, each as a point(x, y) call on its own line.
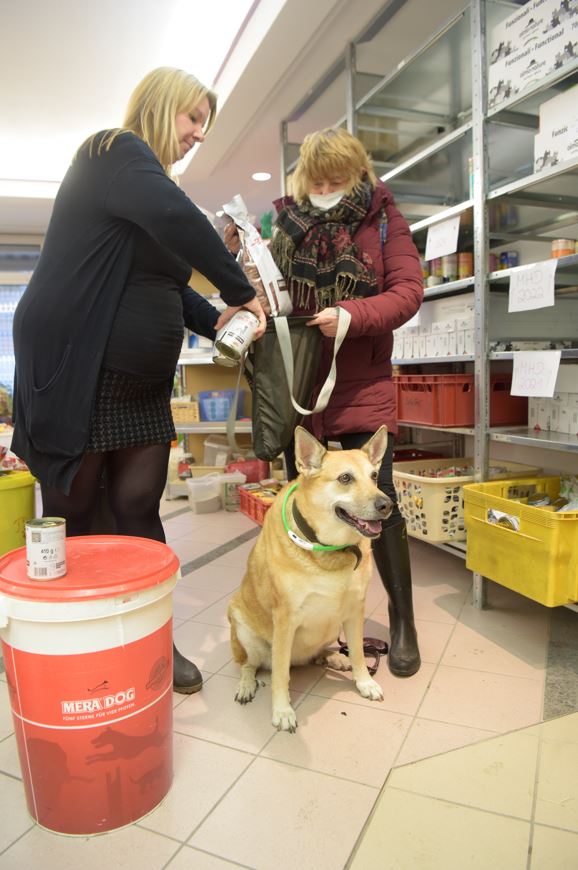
point(301, 542)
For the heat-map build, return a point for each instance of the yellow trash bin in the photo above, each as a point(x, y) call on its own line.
point(16, 507)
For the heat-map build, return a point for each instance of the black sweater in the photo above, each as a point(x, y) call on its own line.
point(63, 321)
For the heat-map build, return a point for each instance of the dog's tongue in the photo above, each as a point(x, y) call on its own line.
point(373, 527)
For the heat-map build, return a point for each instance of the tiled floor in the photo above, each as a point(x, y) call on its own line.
point(473, 779)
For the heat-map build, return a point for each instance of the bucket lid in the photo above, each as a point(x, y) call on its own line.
point(14, 479)
point(98, 566)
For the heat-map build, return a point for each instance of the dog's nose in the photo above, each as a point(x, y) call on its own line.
point(384, 505)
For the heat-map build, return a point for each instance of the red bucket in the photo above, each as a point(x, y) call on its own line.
point(89, 668)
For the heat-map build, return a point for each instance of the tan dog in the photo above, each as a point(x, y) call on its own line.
point(308, 573)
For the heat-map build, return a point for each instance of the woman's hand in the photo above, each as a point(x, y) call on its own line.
point(231, 238)
point(327, 321)
point(254, 306)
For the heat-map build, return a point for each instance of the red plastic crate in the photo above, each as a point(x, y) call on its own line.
point(253, 507)
point(448, 400)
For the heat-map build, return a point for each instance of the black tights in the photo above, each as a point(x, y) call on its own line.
point(135, 479)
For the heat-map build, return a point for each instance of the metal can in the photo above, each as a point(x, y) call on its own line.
point(563, 247)
point(235, 337)
point(450, 267)
point(509, 259)
point(465, 265)
point(46, 548)
point(221, 360)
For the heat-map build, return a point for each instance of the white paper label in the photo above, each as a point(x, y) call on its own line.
point(532, 286)
point(535, 373)
point(442, 238)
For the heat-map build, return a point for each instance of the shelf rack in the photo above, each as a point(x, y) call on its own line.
point(436, 99)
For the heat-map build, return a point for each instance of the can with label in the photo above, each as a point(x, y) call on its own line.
point(465, 265)
point(46, 548)
point(235, 337)
point(563, 247)
point(450, 267)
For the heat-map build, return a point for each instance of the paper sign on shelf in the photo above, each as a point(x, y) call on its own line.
point(532, 286)
point(535, 373)
point(442, 238)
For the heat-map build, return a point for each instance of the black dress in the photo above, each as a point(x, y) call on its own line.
point(66, 316)
point(132, 402)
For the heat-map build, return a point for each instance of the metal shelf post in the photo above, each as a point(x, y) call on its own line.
point(481, 254)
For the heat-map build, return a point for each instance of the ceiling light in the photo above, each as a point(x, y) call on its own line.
point(261, 176)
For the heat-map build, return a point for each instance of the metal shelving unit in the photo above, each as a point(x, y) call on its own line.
point(432, 113)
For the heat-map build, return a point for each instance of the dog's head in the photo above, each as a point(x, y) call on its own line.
point(338, 493)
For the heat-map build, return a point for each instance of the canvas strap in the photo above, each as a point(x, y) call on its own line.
point(282, 329)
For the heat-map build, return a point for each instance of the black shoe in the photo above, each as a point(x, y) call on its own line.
point(391, 553)
point(187, 678)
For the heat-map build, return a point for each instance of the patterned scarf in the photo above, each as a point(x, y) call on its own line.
point(315, 251)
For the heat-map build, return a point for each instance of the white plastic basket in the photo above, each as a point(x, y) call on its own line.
point(433, 507)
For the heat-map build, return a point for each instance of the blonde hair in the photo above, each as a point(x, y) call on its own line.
point(152, 108)
point(328, 153)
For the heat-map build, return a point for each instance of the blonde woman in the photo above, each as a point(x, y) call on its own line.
point(98, 331)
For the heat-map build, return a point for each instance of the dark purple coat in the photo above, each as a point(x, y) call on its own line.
point(364, 395)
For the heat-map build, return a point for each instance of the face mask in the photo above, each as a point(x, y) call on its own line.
point(326, 201)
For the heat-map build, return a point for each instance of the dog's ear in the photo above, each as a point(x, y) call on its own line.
point(376, 446)
point(309, 452)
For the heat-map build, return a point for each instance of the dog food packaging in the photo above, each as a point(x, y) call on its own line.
point(257, 262)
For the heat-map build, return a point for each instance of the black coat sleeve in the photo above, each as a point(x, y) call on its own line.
point(198, 313)
point(141, 193)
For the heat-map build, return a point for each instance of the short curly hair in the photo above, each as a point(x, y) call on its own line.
point(327, 153)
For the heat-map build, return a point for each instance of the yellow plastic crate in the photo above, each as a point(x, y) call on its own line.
point(540, 560)
point(433, 507)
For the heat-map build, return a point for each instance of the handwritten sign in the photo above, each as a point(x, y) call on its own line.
point(442, 238)
point(535, 373)
point(532, 286)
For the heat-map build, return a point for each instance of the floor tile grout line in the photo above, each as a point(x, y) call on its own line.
point(204, 852)
point(456, 803)
point(218, 552)
point(173, 514)
point(22, 835)
point(534, 799)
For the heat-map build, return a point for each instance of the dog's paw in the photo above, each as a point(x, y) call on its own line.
point(336, 661)
point(370, 689)
point(246, 691)
point(285, 719)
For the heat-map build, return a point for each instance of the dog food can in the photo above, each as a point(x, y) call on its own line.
point(46, 548)
point(563, 247)
point(450, 267)
point(235, 337)
point(465, 265)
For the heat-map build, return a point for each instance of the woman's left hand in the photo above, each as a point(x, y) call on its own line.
point(326, 320)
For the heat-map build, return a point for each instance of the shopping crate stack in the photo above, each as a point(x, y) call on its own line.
point(185, 411)
point(449, 400)
point(430, 494)
point(255, 503)
point(530, 549)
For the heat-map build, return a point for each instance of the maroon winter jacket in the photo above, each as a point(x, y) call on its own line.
point(364, 395)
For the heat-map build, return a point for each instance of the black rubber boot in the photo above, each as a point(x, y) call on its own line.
point(187, 678)
point(391, 554)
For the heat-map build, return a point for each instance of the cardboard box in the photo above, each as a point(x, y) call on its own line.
point(460, 342)
point(567, 380)
point(544, 415)
point(533, 405)
point(469, 342)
